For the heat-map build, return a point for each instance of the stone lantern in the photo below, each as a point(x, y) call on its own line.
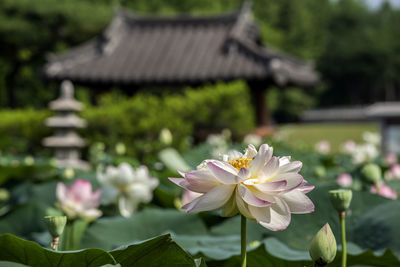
point(65, 141)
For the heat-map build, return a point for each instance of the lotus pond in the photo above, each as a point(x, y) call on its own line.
point(187, 208)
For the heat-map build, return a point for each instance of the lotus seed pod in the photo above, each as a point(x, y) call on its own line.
point(340, 199)
point(55, 224)
point(372, 173)
point(323, 246)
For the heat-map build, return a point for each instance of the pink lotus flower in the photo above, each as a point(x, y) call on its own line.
point(385, 191)
point(393, 173)
point(189, 196)
point(78, 201)
point(391, 158)
point(262, 187)
point(349, 147)
point(344, 180)
point(323, 147)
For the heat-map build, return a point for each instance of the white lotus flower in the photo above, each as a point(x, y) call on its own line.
point(364, 153)
point(372, 138)
point(252, 139)
point(262, 187)
point(127, 186)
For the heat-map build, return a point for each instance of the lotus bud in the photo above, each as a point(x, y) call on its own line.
point(120, 148)
point(4, 195)
point(165, 136)
point(323, 246)
point(69, 173)
point(226, 133)
point(99, 146)
point(29, 160)
point(340, 199)
point(372, 173)
point(320, 171)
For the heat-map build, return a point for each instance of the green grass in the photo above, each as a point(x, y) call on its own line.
point(335, 133)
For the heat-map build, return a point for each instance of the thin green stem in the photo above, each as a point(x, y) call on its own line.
point(243, 241)
point(378, 188)
point(342, 216)
point(71, 236)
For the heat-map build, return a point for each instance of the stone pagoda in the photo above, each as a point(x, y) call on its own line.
point(65, 141)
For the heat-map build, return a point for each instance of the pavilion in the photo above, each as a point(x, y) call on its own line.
point(135, 51)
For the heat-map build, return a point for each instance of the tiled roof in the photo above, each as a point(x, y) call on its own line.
point(183, 49)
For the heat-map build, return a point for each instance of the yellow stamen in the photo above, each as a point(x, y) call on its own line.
point(239, 163)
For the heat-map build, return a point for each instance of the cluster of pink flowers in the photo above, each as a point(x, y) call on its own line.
point(394, 170)
point(346, 180)
point(385, 191)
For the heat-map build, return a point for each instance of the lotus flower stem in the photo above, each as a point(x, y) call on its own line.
point(243, 241)
point(342, 216)
point(378, 188)
point(54, 243)
point(71, 236)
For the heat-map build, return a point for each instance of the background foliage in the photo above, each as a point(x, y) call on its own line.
point(331, 33)
point(137, 121)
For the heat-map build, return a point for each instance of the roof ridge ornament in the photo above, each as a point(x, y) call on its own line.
point(113, 33)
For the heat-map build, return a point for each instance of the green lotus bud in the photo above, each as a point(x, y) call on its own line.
point(120, 148)
point(323, 246)
point(69, 173)
point(166, 136)
point(372, 173)
point(340, 199)
point(29, 160)
point(55, 224)
point(320, 171)
point(4, 195)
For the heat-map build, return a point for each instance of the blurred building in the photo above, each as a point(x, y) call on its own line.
point(386, 114)
point(136, 51)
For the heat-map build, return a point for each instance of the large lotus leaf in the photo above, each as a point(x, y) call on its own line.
point(18, 250)
point(212, 247)
point(379, 227)
point(28, 192)
point(225, 251)
point(219, 248)
point(24, 220)
point(156, 252)
point(303, 227)
point(259, 258)
point(109, 233)
point(11, 264)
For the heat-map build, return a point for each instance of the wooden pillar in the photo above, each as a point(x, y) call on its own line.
point(258, 94)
